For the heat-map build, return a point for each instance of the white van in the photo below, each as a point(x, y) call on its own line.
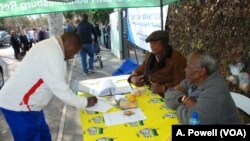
point(2, 72)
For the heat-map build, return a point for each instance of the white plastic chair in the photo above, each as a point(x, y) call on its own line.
point(242, 102)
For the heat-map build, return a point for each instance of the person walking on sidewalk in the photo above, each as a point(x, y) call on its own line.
point(15, 42)
point(86, 30)
point(24, 42)
point(40, 75)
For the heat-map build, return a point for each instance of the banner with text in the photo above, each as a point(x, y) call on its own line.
point(143, 21)
point(10, 8)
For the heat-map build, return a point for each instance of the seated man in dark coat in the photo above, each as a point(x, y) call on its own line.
point(162, 68)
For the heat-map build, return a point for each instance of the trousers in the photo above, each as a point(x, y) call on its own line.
point(27, 125)
point(87, 49)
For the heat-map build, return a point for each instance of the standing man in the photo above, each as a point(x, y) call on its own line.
point(86, 30)
point(70, 26)
point(98, 31)
point(24, 42)
point(42, 34)
point(35, 35)
point(40, 75)
point(15, 42)
point(107, 35)
point(29, 36)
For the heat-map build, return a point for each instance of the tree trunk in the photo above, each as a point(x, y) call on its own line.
point(55, 21)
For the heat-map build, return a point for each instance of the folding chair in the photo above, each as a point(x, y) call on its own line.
point(242, 102)
point(125, 68)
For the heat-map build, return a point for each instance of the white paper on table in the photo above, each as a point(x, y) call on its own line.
point(100, 106)
point(105, 86)
point(119, 117)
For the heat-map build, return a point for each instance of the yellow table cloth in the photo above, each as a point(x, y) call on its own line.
point(156, 126)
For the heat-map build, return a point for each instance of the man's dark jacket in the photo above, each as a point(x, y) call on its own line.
point(85, 30)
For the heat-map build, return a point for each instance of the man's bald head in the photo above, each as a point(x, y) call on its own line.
point(73, 38)
point(72, 44)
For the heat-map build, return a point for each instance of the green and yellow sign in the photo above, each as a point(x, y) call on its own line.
point(10, 8)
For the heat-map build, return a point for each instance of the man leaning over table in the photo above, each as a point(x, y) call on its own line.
point(203, 91)
point(162, 68)
point(40, 75)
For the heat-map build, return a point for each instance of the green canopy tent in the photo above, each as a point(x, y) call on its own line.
point(13, 8)
point(9, 8)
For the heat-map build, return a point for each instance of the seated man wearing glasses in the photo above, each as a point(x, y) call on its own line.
point(203, 91)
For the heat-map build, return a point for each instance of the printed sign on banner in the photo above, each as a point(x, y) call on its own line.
point(9, 8)
point(143, 21)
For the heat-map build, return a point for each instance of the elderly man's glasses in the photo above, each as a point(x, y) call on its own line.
point(194, 67)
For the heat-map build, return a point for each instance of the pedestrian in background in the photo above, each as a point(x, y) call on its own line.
point(85, 30)
point(70, 26)
point(15, 42)
point(24, 42)
point(42, 34)
point(76, 23)
point(29, 35)
point(107, 36)
point(35, 35)
point(98, 31)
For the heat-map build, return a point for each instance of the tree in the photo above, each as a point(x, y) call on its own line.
point(94, 15)
point(55, 23)
point(1, 24)
point(220, 27)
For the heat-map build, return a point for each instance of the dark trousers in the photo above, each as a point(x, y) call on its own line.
point(16, 52)
point(30, 43)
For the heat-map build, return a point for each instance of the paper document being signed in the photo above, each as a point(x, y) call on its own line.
point(100, 106)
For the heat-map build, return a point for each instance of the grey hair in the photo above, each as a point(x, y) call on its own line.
point(207, 61)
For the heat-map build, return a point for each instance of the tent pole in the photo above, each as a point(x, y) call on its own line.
point(161, 6)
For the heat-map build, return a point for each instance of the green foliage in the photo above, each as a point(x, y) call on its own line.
point(220, 27)
point(19, 23)
point(1, 24)
point(101, 15)
point(94, 15)
point(68, 15)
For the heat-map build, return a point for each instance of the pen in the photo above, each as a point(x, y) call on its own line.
point(110, 92)
point(101, 98)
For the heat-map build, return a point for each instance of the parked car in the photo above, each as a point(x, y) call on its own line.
point(4, 38)
point(2, 72)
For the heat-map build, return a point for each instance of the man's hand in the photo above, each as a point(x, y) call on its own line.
point(189, 102)
point(157, 88)
point(138, 80)
point(180, 89)
point(91, 101)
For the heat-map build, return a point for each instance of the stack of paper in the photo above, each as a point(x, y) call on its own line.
point(104, 87)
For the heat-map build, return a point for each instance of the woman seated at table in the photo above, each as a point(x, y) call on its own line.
point(162, 68)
